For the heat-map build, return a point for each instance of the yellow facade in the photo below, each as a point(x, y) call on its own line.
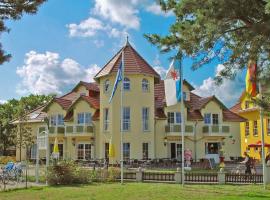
point(160, 140)
point(249, 138)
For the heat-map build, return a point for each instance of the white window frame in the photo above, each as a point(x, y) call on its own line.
point(210, 121)
point(125, 143)
point(143, 150)
point(84, 150)
point(84, 114)
point(145, 118)
point(215, 114)
point(126, 83)
point(106, 88)
point(145, 85)
point(56, 119)
point(126, 121)
point(174, 117)
point(106, 122)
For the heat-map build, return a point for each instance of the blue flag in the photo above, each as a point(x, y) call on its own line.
point(119, 78)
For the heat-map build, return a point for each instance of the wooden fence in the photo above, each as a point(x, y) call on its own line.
point(243, 178)
point(201, 177)
point(158, 176)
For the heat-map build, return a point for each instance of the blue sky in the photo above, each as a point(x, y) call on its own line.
point(66, 42)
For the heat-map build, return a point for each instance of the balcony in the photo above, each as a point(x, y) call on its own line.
point(175, 129)
point(56, 130)
point(79, 130)
point(216, 130)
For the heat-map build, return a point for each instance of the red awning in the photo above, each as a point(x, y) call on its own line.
point(259, 144)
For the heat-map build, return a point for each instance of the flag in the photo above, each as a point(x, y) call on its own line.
point(111, 150)
point(251, 87)
point(172, 84)
point(119, 78)
point(55, 149)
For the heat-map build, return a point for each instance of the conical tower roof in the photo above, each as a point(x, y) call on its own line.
point(133, 63)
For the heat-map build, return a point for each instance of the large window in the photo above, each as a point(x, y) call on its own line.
point(211, 118)
point(174, 118)
point(126, 83)
point(145, 85)
point(212, 148)
point(33, 151)
point(145, 150)
point(126, 119)
point(255, 128)
point(215, 118)
point(126, 151)
point(57, 120)
point(106, 86)
point(247, 129)
point(84, 118)
point(106, 119)
point(207, 118)
point(84, 152)
point(145, 118)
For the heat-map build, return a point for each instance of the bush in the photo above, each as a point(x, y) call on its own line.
point(66, 173)
point(5, 159)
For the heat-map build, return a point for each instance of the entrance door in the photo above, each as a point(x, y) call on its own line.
point(212, 150)
point(173, 151)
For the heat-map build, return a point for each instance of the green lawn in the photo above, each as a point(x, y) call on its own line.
point(139, 191)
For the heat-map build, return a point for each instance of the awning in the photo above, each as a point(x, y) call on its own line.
point(259, 144)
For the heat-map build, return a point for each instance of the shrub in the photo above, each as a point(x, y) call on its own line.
point(113, 174)
point(66, 173)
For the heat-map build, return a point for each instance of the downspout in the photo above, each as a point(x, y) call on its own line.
point(195, 140)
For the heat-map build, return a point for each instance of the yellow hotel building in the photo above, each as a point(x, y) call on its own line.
point(84, 122)
point(251, 129)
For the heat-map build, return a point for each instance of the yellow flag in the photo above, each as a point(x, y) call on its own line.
point(55, 146)
point(111, 150)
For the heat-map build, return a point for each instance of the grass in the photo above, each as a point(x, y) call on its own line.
point(142, 191)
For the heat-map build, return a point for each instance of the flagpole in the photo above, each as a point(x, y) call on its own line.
point(182, 118)
point(121, 119)
point(262, 135)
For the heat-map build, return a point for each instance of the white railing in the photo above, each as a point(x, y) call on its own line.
point(217, 129)
point(57, 129)
point(176, 128)
point(79, 129)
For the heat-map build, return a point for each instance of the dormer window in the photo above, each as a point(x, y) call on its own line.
point(106, 86)
point(57, 120)
point(145, 85)
point(126, 84)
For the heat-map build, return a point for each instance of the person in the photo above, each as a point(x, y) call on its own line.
point(247, 163)
point(267, 159)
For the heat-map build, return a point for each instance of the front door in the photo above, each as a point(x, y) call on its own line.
point(173, 151)
point(212, 151)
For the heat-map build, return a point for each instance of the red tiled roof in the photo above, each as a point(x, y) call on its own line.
point(194, 115)
point(95, 117)
point(64, 103)
point(71, 96)
point(90, 86)
point(133, 62)
point(232, 117)
point(93, 101)
point(236, 108)
point(159, 94)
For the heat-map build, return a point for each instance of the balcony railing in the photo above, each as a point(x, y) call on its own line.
point(176, 128)
point(216, 129)
point(79, 129)
point(57, 130)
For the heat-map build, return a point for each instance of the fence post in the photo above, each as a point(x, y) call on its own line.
point(139, 175)
point(221, 177)
point(178, 176)
point(267, 174)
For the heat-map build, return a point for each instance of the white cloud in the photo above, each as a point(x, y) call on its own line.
point(45, 73)
point(86, 28)
point(228, 92)
point(156, 9)
point(99, 43)
point(3, 101)
point(158, 67)
point(122, 12)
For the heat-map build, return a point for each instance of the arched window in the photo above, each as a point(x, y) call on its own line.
point(106, 86)
point(145, 85)
point(126, 83)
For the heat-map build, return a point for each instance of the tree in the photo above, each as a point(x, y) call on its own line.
point(14, 9)
point(10, 134)
point(233, 31)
